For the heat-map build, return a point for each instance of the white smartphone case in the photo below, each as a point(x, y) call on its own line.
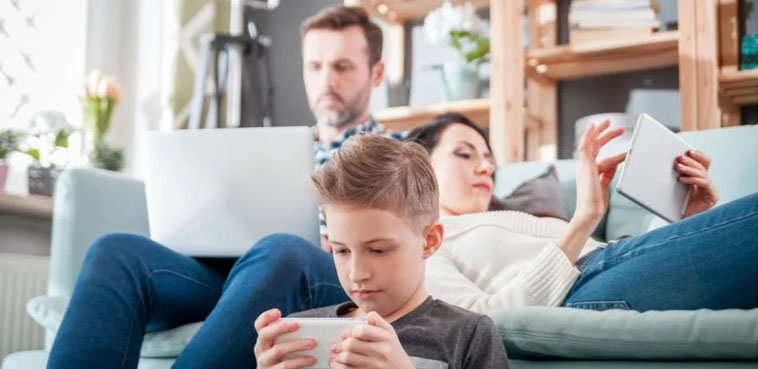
point(324, 330)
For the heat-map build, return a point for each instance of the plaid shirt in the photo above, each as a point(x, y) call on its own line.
point(324, 150)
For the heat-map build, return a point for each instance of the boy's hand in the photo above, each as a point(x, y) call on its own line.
point(268, 354)
point(374, 345)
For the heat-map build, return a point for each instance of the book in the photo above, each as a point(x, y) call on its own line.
point(585, 35)
point(654, 23)
point(616, 15)
point(603, 5)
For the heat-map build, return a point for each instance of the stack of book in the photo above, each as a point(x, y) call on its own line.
point(593, 20)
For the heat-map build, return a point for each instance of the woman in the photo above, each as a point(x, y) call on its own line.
point(495, 260)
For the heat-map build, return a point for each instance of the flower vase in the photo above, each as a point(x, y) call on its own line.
point(460, 81)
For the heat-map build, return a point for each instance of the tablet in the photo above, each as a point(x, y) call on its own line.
point(324, 331)
point(648, 177)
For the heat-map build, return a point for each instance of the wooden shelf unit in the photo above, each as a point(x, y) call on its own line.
point(604, 57)
point(404, 117)
point(398, 11)
point(739, 87)
point(33, 206)
point(705, 48)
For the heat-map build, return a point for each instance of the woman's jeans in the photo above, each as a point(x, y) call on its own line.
point(130, 285)
point(709, 261)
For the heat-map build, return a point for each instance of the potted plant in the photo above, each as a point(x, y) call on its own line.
point(8, 144)
point(460, 28)
point(46, 143)
point(100, 96)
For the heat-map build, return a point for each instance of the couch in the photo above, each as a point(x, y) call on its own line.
point(91, 202)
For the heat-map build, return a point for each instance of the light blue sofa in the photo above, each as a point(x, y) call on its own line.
point(91, 202)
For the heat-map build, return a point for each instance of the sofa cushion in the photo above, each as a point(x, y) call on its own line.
point(48, 312)
point(549, 332)
point(541, 196)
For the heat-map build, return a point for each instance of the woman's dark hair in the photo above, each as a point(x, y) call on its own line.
point(428, 136)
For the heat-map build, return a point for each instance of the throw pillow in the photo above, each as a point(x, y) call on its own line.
point(541, 196)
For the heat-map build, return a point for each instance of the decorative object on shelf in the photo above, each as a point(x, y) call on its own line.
point(8, 144)
point(100, 96)
point(595, 20)
point(749, 52)
point(42, 180)
point(618, 145)
point(460, 28)
point(46, 143)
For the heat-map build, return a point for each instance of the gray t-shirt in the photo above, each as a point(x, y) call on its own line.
point(437, 335)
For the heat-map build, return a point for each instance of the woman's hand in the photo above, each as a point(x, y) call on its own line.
point(593, 180)
point(372, 346)
point(693, 167)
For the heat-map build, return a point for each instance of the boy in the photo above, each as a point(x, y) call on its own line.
point(380, 198)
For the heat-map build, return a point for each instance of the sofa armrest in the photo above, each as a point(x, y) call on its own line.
point(89, 203)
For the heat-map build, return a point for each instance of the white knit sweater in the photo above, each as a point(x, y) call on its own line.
point(501, 259)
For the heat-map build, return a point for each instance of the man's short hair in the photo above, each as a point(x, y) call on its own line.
point(380, 173)
point(340, 17)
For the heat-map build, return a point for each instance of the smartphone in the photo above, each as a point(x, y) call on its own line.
point(324, 330)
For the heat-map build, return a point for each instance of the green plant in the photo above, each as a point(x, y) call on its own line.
point(106, 157)
point(460, 28)
point(472, 47)
point(9, 140)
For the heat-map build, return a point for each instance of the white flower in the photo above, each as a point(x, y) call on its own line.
point(441, 21)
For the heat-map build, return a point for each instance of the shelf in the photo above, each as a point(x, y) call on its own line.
point(398, 11)
point(739, 87)
point(32, 206)
point(402, 118)
point(604, 57)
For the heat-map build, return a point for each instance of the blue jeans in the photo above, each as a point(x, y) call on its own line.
point(130, 285)
point(709, 260)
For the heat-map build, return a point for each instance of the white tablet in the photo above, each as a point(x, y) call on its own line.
point(648, 177)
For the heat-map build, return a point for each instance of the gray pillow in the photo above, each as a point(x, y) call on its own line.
point(541, 196)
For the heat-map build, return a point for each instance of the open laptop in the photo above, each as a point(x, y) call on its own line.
point(217, 192)
point(648, 177)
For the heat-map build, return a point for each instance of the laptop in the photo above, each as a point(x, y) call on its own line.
point(648, 177)
point(217, 192)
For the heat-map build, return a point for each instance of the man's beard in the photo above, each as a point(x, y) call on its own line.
point(336, 118)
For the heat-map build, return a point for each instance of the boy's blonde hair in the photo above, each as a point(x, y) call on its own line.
point(378, 172)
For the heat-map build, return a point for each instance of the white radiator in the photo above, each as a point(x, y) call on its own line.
point(21, 278)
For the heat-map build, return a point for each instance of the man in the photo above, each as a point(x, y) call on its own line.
point(342, 52)
point(130, 285)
